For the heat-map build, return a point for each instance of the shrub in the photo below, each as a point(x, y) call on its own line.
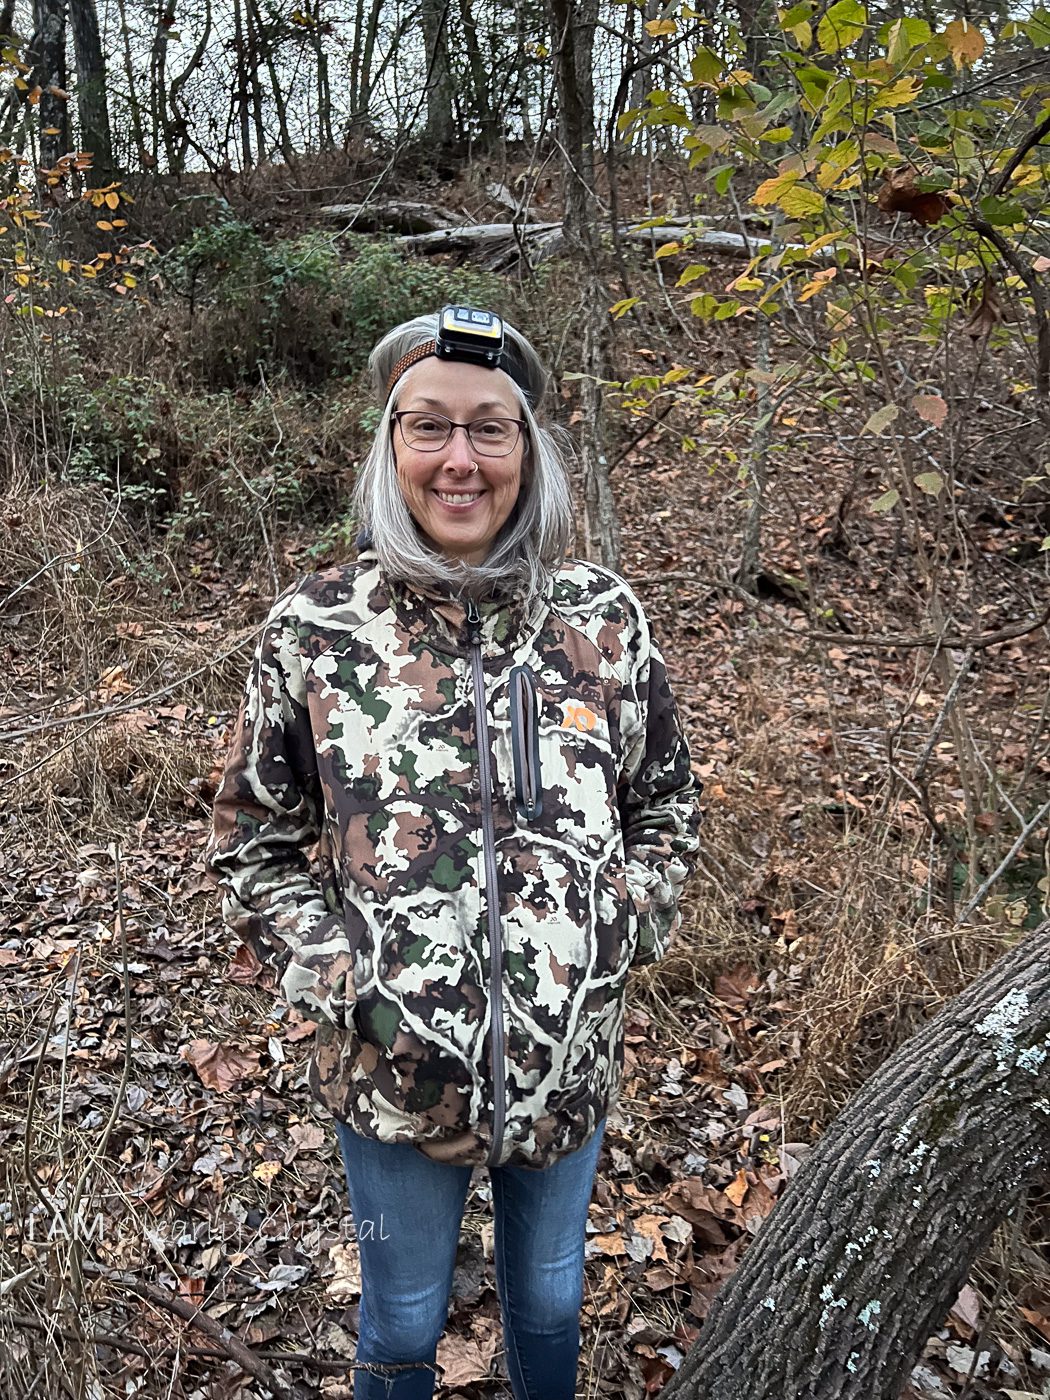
point(307, 308)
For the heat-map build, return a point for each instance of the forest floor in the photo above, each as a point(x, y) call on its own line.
point(175, 1146)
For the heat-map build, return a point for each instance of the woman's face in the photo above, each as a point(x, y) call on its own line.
point(458, 509)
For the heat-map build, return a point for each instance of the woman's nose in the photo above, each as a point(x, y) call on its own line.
point(458, 450)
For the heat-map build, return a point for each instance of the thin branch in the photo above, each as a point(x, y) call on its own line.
point(1032, 139)
point(1005, 863)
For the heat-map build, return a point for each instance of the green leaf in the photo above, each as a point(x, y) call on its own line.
point(801, 200)
point(723, 175)
point(1038, 28)
point(886, 501)
point(796, 15)
point(881, 419)
point(841, 26)
point(691, 273)
point(704, 307)
point(705, 66)
point(904, 36)
point(1000, 212)
point(931, 483)
point(727, 309)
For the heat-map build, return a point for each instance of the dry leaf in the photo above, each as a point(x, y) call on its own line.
point(611, 1245)
point(987, 314)
point(462, 1361)
point(245, 968)
point(931, 408)
point(219, 1067)
point(345, 1284)
point(738, 1188)
point(899, 195)
point(308, 1137)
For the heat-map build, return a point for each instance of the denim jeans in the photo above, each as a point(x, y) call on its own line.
point(408, 1211)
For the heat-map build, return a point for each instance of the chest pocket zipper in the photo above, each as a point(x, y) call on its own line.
point(525, 743)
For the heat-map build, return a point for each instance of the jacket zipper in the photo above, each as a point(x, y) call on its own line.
point(525, 744)
point(488, 838)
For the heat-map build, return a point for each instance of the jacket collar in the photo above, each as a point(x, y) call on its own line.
point(440, 615)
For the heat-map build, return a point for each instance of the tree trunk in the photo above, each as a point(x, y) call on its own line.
point(240, 92)
point(573, 26)
point(49, 74)
point(482, 79)
point(865, 1254)
point(440, 125)
point(134, 107)
point(91, 90)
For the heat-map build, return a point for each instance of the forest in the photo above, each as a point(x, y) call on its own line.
point(788, 267)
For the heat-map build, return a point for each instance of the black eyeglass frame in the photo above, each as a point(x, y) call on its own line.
point(520, 423)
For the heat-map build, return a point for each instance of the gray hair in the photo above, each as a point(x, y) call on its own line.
point(532, 543)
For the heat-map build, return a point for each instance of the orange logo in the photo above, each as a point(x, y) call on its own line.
point(579, 717)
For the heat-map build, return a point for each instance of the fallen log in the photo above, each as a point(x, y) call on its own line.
point(402, 216)
point(870, 1245)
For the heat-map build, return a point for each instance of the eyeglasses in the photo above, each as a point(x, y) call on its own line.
point(430, 432)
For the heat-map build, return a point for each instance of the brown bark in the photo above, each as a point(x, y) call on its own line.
point(865, 1254)
point(91, 90)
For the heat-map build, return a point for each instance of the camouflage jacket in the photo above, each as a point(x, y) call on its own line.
point(504, 815)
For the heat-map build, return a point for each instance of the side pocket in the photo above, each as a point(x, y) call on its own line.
point(525, 743)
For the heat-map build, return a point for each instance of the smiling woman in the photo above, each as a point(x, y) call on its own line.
point(460, 479)
point(479, 736)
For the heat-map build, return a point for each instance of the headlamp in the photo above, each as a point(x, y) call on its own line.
point(474, 336)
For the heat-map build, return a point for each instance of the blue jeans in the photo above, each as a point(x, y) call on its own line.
point(408, 1211)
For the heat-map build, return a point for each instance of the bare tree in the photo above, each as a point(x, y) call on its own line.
point(92, 106)
point(440, 123)
point(573, 26)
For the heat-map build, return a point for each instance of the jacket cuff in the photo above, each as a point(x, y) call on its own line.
point(318, 978)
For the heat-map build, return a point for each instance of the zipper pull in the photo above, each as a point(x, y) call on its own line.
point(473, 623)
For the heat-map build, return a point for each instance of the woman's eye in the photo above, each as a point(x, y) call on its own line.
point(489, 428)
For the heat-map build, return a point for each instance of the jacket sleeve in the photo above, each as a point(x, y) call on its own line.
point(658, 797)
point(268, 810)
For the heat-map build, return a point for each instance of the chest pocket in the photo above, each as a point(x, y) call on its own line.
point(563, 755)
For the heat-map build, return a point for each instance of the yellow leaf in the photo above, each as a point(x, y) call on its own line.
point(64, 265)
point(965, 42)
point(801, 200)
point(659, 27)
point(113, 200)
point(22, 278)
point(104, 224)
point(266, 1171)
point(818, 283)
point(87, 270)
point(621, 308)
point(771, 191)
point(666, 249)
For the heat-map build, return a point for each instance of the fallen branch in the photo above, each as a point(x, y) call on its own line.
point(232, 1345)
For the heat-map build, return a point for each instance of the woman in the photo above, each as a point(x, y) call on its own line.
point(481, 740)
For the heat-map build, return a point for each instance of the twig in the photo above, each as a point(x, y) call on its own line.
point(235, 1347)
point(939, 722)
point(195, 1315)
point(1005, 863)
point(1031, 140)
